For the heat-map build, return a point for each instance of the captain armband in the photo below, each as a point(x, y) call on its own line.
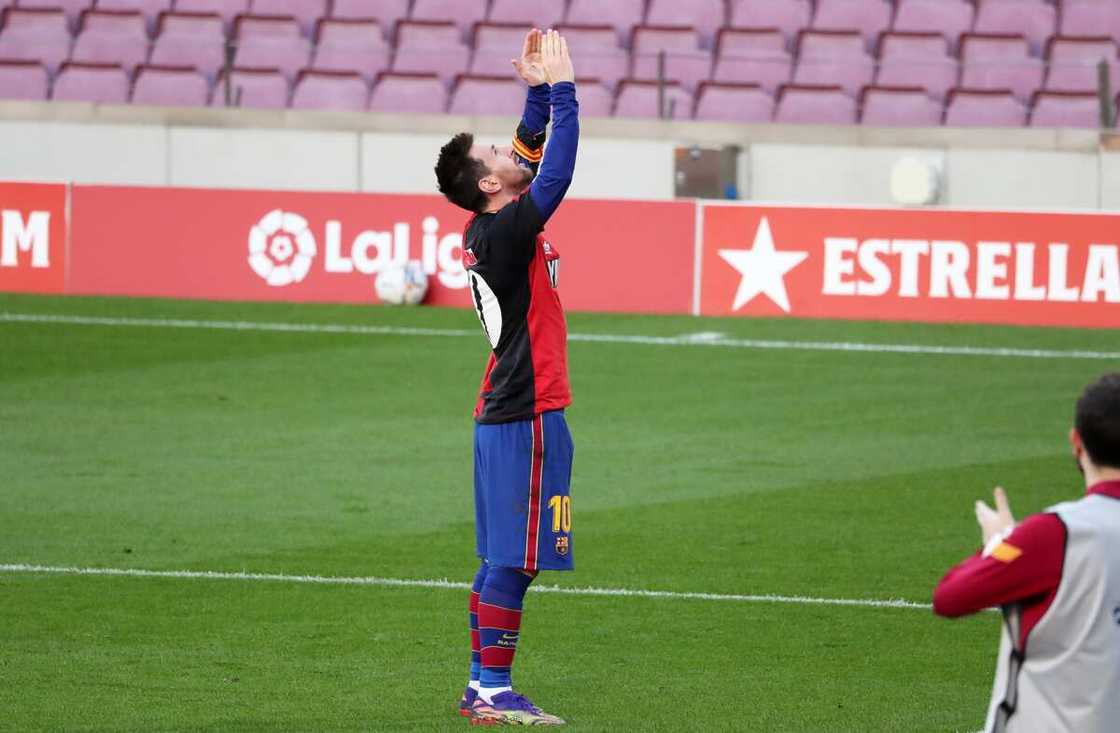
point(529, 145)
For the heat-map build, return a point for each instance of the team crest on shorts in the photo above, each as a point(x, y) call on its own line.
point(562, 545)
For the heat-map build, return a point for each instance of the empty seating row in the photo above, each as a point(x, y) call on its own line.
point(1035, 19)
point(474, 95)
point(741, 55)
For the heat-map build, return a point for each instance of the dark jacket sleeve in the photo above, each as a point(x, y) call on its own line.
point(1024, 565)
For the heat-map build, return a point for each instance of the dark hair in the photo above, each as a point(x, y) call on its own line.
point(458, 173)
point(1098, 420)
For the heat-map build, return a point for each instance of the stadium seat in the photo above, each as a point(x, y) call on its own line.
point(950, 18)
point(815, 104)
point(1035, 20)
point(261, 88)
point(430, 48)
point(637, 98)
point(753, 56)
point(337, 90)
point(494, 45)
point(388, 12)
point(595, 100)
point(685, 61)
point(487, 95)
point(271, 42)
point(190, 39)
point(41, 35)
point(922, 59)
point(150, 9)
point(463, 13)
point(228, 9)
point(1000, 62)
point(112, 37)
point(870, 17)
point(622, 15)
point(598, 51)
point(833, 57)
point(1066, 109)
point(72, 9)
point(706, 16)
point(790, 16)
point(27, 80)
point(351, 45)
point(899, 107)
point(99, 83)
point(984, 108)
point(307, 12)
point(721, 102)
point(417, 93)
point(1072, 62)
point(535, 13)
point(170, 86)
point(1090, 18)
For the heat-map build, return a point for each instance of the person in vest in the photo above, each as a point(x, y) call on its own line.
point(1056, 578)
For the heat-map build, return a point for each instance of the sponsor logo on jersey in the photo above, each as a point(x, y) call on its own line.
point(552, 262)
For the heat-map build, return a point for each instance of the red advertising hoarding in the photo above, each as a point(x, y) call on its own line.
point(911, 265)
point(710, 258)
point(32, 238)
point(329, 247)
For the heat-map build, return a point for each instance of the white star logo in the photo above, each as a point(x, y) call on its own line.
point(763, 269)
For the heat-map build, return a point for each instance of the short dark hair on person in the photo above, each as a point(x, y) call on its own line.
point(1098, 420)
point(458, 173)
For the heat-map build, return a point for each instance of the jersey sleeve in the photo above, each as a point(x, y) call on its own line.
point(1025, 564)
point(559, 161)
point(528, 142)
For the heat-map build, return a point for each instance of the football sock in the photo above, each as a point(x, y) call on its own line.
point(487, 693)
point(476, 656)
point(499, 624)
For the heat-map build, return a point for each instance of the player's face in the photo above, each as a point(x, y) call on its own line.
point(504, 166)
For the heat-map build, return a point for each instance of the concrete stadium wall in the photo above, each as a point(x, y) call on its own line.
point(318, 151)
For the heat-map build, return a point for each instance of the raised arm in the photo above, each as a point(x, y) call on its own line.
point(1024, 564)
point(528, 143)
point(559, 163)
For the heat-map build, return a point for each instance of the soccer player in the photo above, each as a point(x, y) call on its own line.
point(1056, 577)
point(522, 447)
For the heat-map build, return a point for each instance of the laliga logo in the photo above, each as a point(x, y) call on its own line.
point(281, 248)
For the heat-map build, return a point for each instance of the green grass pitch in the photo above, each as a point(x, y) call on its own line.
point(698, 468)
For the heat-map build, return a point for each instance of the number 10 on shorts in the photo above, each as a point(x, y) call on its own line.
point(561, 507)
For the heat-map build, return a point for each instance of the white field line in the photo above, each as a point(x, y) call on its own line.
point(685, 340)
point(453, 585)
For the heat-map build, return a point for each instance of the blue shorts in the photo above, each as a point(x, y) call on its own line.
point(522, 504)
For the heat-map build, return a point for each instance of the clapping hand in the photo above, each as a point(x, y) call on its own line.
point(994, 521)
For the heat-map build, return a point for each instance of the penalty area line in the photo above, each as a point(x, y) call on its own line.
point(705, 339)
point(453, 585)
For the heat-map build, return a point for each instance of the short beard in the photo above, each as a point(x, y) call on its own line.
point(527, 176)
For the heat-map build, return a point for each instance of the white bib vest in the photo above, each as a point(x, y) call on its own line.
point(1069, 679)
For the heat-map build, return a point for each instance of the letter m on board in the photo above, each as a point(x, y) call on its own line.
point(32, 235)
